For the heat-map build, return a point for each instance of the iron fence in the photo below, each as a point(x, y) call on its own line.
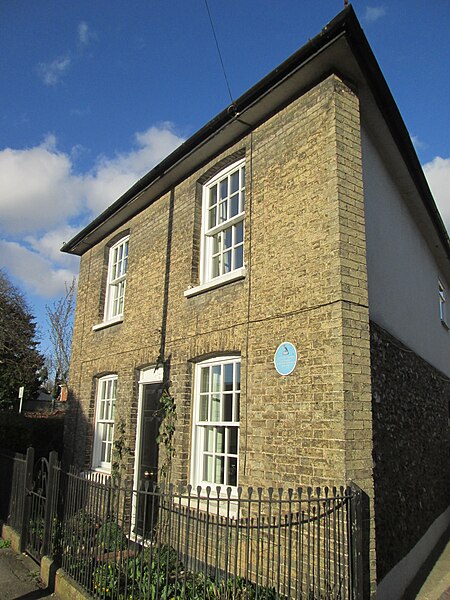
point(122, 543)
point(185, 543)
point(12, 498)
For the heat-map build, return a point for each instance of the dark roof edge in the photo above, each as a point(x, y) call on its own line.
point(329, 31)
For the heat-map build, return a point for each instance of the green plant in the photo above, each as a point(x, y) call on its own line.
point(110, 537)
point(120, 449)
point(79, 532)
point(4, 543)
point(168, 414)
point(106, 579)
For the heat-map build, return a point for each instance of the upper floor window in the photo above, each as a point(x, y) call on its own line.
point(442, 304)
point(116, 284)
point(223, 223)
point(104, 422)
point(216, 422)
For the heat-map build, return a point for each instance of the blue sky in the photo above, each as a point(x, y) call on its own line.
point(95, 93)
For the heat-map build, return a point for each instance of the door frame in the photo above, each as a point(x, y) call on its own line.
point(147, 375)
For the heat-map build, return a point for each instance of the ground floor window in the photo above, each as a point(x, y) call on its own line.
point(216, 422)
point(104, 422)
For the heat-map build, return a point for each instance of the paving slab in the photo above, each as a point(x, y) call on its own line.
point(437, 584)
point(19, 577)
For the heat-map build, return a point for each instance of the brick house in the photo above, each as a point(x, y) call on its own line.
point(298, 219)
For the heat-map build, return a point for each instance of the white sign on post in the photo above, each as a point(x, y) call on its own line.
point(21, 390)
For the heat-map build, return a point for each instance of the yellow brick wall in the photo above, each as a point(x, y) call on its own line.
point(306, 283)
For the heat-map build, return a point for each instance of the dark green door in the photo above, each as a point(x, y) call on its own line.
point(147, 506)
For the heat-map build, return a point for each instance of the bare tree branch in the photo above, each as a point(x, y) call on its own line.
point(60, 322)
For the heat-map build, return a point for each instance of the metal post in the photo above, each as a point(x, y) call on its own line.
point(27, 486)
point(49, 501)
point(359, 544)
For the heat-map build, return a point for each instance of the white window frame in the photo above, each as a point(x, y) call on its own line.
point(106, 395)
point(442, 304)
point(216, 226)
point(210, 427)
point(117, 279)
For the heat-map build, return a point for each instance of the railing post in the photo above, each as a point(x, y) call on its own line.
point(27, 485)
point(359, 543)
point(49, 501)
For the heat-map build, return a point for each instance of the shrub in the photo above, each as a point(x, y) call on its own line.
point(110, 537)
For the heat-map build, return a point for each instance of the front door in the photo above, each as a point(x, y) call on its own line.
point(146, 508)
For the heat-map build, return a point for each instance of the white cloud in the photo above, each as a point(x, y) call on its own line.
point(417, 143)
point(373, 13)
point(38, 188)
point(112, 177)
point(85, 35)
point(52, 72)
point(438, 175)
point(49, 244)
point(44, 202)
point(39, 274)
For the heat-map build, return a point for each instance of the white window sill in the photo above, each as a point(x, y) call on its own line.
point(95, 471)
point(213, 505)
point(215, 283)
point(108, 323)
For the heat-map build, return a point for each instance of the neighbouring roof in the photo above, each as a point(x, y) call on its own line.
point(341, 47)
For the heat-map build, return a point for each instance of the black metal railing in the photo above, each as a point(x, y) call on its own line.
point(185, 543)
point(12, 497)
point(120, 542)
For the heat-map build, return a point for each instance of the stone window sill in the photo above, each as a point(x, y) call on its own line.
point(215, 283)
point(108, 323)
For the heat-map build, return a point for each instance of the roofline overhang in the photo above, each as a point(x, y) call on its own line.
point(256, 105)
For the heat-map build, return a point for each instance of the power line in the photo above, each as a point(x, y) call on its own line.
point(218, 50)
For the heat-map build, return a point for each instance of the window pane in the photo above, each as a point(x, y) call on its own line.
point(209, 439)
point(228, 237)
point(216, 243)
point(212, 217)
point(228, 377)
point(242, 201)
point(203, 412)
point(237, 407)
point(216, 375)
point(239, 233)
point(223, 189)
point(234, 205)
point(243, 176)
point(232, 440)
point(227, 262)
point(234, 182)
point(213, 195)
point(207, 468)
point(103, 453)
point(215, 266)
point(219, 470)
point(220, 439)
point(232, 471)
point(239, 257)
point(228, 407)
point(215, 408)
point(237, 366)
point(204, 379)
point(223, 207)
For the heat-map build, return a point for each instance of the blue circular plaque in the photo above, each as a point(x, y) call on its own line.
point(285, 358)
